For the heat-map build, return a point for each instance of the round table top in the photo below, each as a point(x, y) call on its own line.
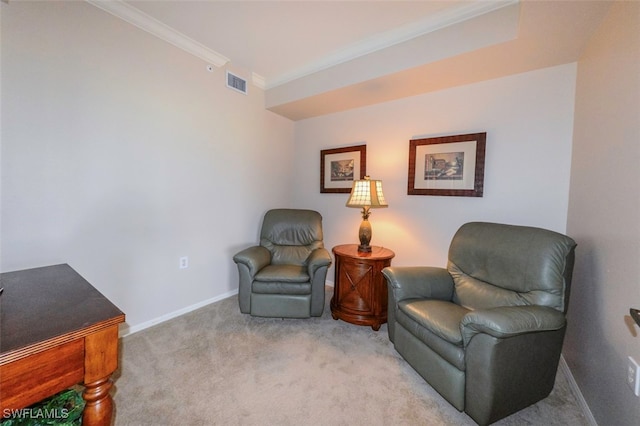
point(351, 250)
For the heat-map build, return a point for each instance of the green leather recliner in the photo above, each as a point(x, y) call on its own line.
point(285, 275)
point(487, 331)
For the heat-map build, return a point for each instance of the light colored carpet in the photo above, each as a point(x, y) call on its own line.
point(216, 366)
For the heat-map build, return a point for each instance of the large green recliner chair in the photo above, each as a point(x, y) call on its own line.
point(487, 331)
point(284, 276)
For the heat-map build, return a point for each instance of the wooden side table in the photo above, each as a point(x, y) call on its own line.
point(360, 289)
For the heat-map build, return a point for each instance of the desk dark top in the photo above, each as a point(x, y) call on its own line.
point(49, 305)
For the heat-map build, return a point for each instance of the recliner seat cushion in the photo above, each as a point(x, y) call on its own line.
point(280, 288)
point(436, 323)
point(283, 273)
point(282, 279)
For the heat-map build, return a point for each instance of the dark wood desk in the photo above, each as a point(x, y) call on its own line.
point(56, 331)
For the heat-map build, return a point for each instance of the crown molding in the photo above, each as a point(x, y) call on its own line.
point(145, 22)
point(393, 37)
point(258, 80)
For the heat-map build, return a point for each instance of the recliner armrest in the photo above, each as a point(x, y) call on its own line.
point(317, 259)
point(509, 321)
point(419, 282)
point(255, 258)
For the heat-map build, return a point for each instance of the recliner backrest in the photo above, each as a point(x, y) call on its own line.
point(291, 235)
point(505, 265)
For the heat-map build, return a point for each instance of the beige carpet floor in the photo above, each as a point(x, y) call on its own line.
point(216, 366)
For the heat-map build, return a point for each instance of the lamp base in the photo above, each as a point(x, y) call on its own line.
point(364, 233)
point(364, 249)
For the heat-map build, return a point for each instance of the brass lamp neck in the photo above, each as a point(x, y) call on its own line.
point(366, 211)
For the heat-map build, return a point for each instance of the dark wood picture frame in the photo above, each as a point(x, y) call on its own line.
point(447, 165)
point(339, 167)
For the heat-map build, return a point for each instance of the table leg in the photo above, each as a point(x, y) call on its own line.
point(99, 404)
point(101, 359)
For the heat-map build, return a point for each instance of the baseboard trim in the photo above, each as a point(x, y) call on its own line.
point(139, 327)
point(126, 331)
point(564, 367)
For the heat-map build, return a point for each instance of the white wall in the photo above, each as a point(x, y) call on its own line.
point(528, 119)
point(604, 218)
point(121, 153)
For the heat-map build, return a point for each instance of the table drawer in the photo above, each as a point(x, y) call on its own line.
point(32, 379)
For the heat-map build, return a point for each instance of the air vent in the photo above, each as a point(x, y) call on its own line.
point(236, 83)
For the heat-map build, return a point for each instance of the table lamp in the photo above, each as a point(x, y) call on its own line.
point(366, 193)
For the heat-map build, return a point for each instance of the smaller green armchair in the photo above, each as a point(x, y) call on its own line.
point(284, 276)
point(487, 331)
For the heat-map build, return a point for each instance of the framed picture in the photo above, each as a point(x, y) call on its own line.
point(339, 167)
point(448, 165)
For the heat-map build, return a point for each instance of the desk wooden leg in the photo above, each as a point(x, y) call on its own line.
point(100, 360)
point(99, 404)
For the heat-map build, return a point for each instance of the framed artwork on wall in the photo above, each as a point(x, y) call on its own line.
point(447, 165)
point(339, 167)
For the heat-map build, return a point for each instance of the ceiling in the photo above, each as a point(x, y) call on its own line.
point(318, 57)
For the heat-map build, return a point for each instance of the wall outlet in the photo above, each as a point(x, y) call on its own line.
point(184, 262)
point(633, 376)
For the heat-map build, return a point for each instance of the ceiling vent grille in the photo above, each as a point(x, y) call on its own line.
point(236, 83)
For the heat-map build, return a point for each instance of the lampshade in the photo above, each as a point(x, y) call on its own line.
point(367, 193)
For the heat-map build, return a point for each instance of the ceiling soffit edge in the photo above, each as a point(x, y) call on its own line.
point(491, 29)
point(394, 37)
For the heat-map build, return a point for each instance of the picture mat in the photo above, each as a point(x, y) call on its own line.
point(468, 171)
point(353, 155)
